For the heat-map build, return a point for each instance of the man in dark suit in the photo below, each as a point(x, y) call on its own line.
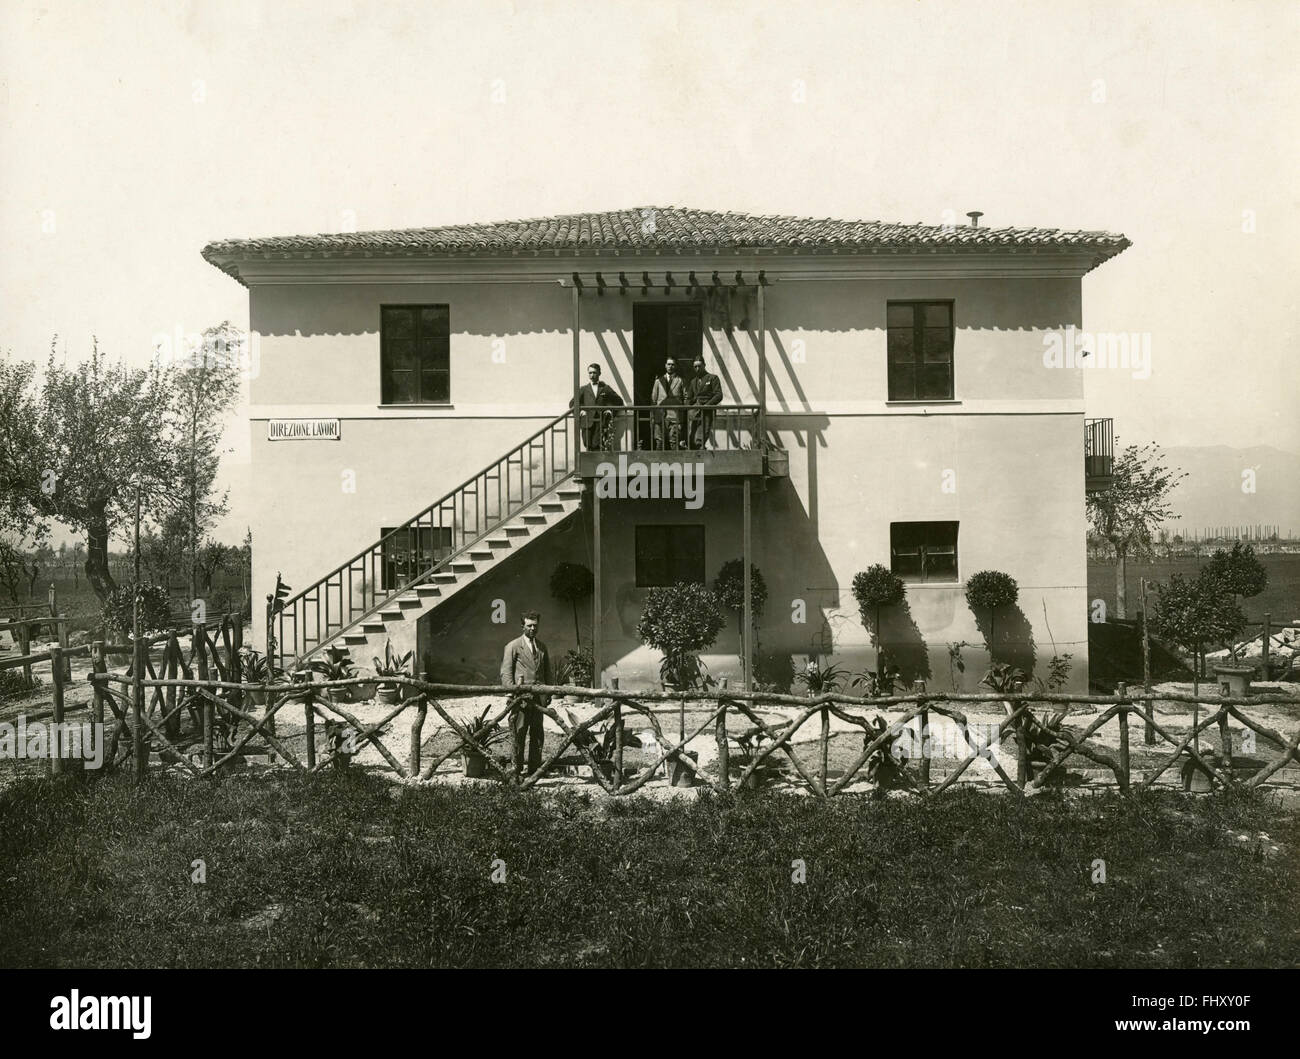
point(527, 661)
point(702, 393)
point(594, 416)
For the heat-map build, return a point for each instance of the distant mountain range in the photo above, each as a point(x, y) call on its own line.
point(1212, 494)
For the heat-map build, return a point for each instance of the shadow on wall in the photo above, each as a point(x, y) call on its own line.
point(1009, 637)
point(900, 637)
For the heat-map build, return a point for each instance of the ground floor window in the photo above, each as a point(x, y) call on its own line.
point(666, 555)
point(924, 551)
point(408, 554)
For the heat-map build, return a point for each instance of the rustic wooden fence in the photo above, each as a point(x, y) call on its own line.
point(214, 647)
point(222, 724)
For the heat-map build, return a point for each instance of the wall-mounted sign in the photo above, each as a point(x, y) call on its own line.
point(302, 429)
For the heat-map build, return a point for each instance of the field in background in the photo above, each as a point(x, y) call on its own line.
point(1280, 598)
point(346, 870)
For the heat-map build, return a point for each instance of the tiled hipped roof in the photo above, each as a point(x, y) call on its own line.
point(671, 227)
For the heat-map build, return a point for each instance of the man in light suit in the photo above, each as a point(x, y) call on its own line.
point(527, 661)
point(669, 394)
point(702, 393)
point(595, 415)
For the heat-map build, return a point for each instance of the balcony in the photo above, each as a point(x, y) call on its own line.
point(1098, 454)
point(725, 438)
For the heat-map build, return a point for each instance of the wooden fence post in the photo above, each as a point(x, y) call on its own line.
point(724, 751)
point(137, 709)
point(199, 638)
point(417, 734)
point(54, 602)
point(25, 648)
point(924, 717)
point(1121, 690)
point(1149, 733)
point(97, 668)
point(62, 625)
point(56, 721)
point(309, 716)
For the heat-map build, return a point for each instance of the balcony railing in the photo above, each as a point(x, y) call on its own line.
point(1098, 453)
point(660, 428)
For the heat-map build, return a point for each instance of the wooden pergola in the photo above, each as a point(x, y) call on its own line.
point(597, 283)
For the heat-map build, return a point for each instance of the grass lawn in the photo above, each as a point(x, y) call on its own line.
point(348, 870)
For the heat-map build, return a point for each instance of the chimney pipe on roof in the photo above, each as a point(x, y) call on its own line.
point(975, 216)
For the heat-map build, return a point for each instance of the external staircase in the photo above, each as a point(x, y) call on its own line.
point(380, 594)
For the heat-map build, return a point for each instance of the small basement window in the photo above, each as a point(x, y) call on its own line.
point(923, 551)
point(666, 555)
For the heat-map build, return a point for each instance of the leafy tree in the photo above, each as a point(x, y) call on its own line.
point(1239, 570)
point(78, 447)
point(571, 583)
point(205, 383)
point(729, 587)
point(1194, 613)
point(680, 621)
point(1129, 511)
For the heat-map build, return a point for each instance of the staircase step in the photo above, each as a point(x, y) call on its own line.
point(446, 579)
point(373, 627)
point(481, 555)
point(465, 565)
point(534, 519)
point(355, 639)
point(517, 531)
point(498, 542)
point(552, 505)
point(392, 615)
point(428, 591)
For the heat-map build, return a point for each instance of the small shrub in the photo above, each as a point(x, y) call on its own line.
point(577, 667)
point(155, 608)
point(990, 589)
point(874, 588)
point(680, 621)
point(13, 686)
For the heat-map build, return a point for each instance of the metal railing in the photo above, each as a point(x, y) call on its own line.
point(658, 428)
point(1098, 448)
point(424, 544)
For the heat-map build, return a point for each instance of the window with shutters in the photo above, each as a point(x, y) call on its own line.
point(415, 359)
point(923, 551)
point(920, 345)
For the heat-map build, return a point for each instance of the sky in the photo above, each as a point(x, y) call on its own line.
point(132, 134)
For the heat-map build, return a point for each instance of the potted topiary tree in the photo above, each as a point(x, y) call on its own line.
point(875, 588)
point(986, 591)
point(572, 583)
point(680, 621)
point(729, 587)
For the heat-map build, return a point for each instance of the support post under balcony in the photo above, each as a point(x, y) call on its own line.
point(577, 374)
point(596, 589)
point(762, 367)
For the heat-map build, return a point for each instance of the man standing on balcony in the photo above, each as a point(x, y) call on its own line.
point(702, 393)
point(527, 661)
point(669, 394)
point(594, 418)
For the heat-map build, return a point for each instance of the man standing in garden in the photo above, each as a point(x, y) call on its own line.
point(527, 661)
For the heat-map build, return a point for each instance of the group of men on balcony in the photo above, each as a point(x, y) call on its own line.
point(682, 419)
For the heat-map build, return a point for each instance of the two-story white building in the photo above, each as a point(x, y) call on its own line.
point(886, 399)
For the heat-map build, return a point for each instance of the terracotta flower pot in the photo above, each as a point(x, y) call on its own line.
point(390, 695)
point(475, 764)
point(678, 774)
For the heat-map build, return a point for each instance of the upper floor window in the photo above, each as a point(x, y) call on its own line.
point(666, 555)
point(414, 349)
point(924, 551)
point(920, 351)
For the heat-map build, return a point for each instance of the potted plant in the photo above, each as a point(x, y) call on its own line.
point(729, 587)
point(600, 743)
point(887, 765)
point(390, 692)
point(753, 743)
point(680, 621)
point(485, 732)
point(338, 665)
point(256, 670)
point(875, 588)
point(577, 669)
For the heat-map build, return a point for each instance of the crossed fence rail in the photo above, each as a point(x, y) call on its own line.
point(223, 725)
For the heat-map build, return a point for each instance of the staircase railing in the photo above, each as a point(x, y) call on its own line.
point(427, 542)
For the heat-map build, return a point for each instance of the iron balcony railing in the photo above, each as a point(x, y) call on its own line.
point(722, 427)
point(1098, 448)
point(426, 543)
